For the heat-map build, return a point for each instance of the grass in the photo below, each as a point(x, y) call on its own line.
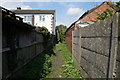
point(38, 68)
point(68, 68)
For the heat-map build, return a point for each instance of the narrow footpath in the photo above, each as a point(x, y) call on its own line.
point(56, 66)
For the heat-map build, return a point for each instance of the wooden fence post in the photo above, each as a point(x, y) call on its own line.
point(0, 43)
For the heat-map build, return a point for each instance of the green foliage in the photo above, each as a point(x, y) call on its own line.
point(68, 68)
point(45, 32)
point(107, 13)
point(61, 32)
point(116, 6)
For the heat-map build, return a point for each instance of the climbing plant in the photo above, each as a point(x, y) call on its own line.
point(116, 6)
point(107, 13)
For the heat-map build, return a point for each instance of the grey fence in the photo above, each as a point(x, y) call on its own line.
point(95, 48)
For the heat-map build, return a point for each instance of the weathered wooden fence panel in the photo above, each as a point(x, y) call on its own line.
point(30, 44)
point(21, 43)
point(97, 45)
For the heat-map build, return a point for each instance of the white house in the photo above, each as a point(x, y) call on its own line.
point(38, 18)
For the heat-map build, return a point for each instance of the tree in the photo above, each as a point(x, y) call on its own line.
point(61, 32)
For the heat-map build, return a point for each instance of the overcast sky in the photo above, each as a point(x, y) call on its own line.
point(66, 12)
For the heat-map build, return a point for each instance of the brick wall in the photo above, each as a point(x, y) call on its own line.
point(68, 39)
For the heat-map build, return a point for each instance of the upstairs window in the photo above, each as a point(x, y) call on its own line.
point(42, 18)
point(27, 18)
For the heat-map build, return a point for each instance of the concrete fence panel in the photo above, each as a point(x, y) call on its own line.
point(97, 45)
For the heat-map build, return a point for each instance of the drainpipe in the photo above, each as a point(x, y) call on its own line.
point(33, 20)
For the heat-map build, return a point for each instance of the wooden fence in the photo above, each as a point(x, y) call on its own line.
point(20, 44)
point(96, 47)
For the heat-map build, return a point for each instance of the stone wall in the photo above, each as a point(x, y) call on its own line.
point(95, 48)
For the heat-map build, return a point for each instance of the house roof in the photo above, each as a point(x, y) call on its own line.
point(88, 12)
point(34, 11)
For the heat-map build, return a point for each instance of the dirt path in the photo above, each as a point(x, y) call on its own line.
point(56, 66)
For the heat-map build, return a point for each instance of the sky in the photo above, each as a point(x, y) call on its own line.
point(66, 12)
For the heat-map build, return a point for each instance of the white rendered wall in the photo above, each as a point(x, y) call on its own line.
point(22, 16)
point(49, 23)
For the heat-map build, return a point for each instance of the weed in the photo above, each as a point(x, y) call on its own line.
point(69, 69)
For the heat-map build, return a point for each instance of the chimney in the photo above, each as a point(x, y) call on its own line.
point(18, 8)
point(75, 27)
point(109, 2)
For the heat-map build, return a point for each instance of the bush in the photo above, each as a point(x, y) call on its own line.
point(45, 32)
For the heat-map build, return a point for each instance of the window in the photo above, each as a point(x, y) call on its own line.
point(27, 18)
point(42, 18)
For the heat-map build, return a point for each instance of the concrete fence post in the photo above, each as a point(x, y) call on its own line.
point(118, 50)
point(114, 45)
point(79, 34)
